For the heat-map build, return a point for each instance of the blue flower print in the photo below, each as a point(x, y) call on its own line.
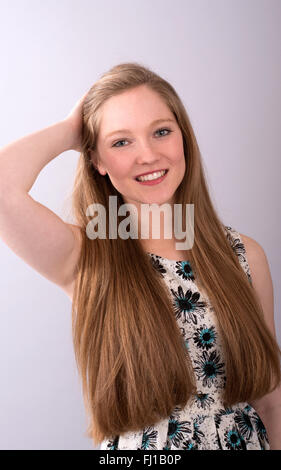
point(209, 367)
point(177, 430)
point(205, 338)
point(197, 433)
point(189, 445)
point(112, 443)
point(244, 424)
point(233, 440)
point(184, 270)
point(187, 305)
point(149, 439)
point(261, 431)
point(204, 400)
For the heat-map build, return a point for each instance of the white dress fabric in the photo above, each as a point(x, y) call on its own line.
point(204, 423)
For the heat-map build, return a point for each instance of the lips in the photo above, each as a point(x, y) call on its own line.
point(154, 181)
point(151, 172)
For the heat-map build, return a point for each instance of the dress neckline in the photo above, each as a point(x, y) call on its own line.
point(168, 259)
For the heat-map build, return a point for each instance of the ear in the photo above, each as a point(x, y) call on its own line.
point(96, 162)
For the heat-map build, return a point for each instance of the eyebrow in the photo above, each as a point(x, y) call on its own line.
point(128, 130)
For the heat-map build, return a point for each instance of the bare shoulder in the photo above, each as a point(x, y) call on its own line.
point(252, 247)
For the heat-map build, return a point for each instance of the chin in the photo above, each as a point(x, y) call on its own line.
point(160, 201)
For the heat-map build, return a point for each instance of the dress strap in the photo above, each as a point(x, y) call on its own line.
point(238, 247)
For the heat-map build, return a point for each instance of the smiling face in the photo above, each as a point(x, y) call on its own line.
point(142, 147)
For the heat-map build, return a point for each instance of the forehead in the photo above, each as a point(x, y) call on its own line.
point(132, 109)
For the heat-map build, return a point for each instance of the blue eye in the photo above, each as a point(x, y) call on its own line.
point(159, 130)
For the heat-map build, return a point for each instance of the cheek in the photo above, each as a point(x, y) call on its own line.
point(119, 168)
point(179, 160)
point(176, 151)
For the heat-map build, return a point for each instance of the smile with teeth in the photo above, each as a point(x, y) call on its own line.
point(152, 176)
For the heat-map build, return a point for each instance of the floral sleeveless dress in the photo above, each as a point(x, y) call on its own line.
point(204, 423)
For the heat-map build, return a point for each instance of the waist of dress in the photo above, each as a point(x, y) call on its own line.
point(208, 405)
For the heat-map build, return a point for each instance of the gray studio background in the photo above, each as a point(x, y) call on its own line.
point(223, 58)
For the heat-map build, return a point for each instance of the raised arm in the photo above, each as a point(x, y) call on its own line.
point(32, 231)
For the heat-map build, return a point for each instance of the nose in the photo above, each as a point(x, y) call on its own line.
point(147, 154)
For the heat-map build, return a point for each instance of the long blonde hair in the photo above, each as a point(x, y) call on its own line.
point(128, 348)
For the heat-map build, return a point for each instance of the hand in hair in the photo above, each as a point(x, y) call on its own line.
point(75, 118)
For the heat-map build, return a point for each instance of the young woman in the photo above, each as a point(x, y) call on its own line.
point(176, 348)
